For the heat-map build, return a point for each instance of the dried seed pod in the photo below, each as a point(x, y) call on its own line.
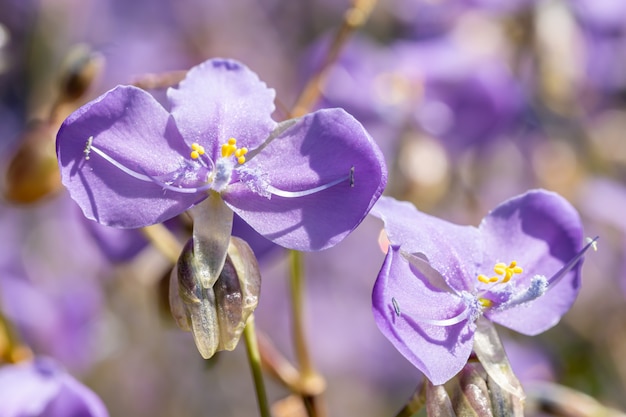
point(216, 315)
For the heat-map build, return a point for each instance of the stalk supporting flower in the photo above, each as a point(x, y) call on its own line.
point(254, 358)
point(520, 268)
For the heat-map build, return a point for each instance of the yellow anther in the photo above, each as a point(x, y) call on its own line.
point(485, 302)
point(230, 149)
point(196, 150)
point(504, 271)
point(483, 278)
point(500, 268)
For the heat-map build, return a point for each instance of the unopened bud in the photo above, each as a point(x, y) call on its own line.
point(82, 67)
point(438, 403)
point(33, 170)
point(471, 395)
point(216, 315)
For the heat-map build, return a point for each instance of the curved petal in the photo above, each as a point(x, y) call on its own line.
point(43, 388)
point(403, 302)
point(27, 388)
point(220, 99)
point(131, 127)
point(327, 149)
point(75, 399)
point(542, 232)
point(455, 251)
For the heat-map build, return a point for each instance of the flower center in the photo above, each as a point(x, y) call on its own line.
point(504, 273)
point(200, 173)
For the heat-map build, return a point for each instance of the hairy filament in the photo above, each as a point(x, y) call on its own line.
point(292, 194)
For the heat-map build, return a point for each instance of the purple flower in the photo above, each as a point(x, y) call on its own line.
point(304, 183)
point(42, 388)
point(520, 268)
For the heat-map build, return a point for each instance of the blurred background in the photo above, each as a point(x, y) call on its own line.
point(471, 101)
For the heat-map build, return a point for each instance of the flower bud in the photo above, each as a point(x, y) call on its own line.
point(215, 315)
point(32, 171)
point(82, 67)
point(471, 395)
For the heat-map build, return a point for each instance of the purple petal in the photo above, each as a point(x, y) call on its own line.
point(130, 126)
point(542, 232)
point(318, 149)
point(75, 399)
point(455, 251)
point(24, 390)
point(402, 302)
point(220, 99)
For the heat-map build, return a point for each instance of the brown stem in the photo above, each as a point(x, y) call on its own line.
point(354, 18)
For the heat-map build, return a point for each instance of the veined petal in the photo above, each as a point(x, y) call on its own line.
point(454, 251)
point(542, 232)
point(320, 178)
point(220, 99)
point(134, 131)
point(405, 305)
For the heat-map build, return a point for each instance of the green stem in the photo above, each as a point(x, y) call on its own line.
point(297, 306)
point(254, 358)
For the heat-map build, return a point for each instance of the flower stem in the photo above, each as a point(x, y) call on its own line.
point(297, 290)
point(254, 358)
point(311, 382)
point(355, 17)
point(163, 240)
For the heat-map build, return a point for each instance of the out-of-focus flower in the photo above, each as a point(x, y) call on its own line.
point(467, 100)
point(304, 183)
point(51, 292)
point(42, 388)
point(520, 268)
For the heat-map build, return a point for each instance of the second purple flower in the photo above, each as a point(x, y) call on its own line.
point(520, 268)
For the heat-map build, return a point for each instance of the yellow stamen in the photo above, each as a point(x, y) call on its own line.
point(500, 268)
point(505, 273)
point(230, 148)
point(196, 150)
point(483, 278)
point(239, 154)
